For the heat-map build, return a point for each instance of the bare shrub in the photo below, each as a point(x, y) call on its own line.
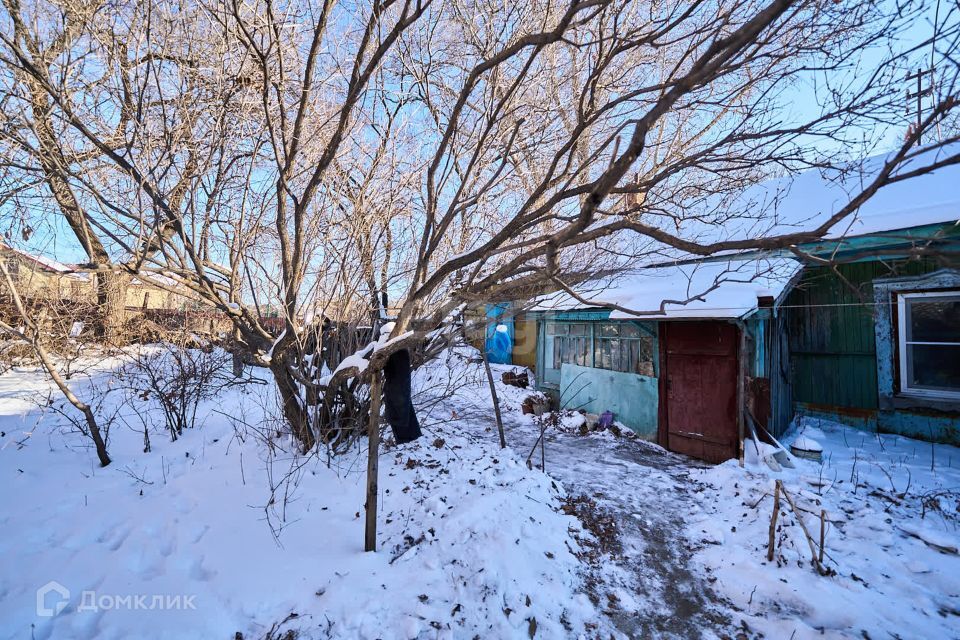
point(100, 401)
point(175, 379)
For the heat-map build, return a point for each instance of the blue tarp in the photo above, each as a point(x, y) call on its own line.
point(499, 334)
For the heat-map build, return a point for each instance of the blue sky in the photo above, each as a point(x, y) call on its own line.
point(53, 238)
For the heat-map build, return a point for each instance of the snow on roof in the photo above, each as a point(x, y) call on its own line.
point(158, 279)
point(48, 264)
point(805, 201)
point(727, 289)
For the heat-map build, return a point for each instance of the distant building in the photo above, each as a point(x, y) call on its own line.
point(41, 278)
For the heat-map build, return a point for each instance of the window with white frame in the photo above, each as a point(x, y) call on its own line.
point(929, 335)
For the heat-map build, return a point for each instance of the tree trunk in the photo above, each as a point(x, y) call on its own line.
point(294, 409)
point(97, 438)
point(110, 306)
point(493, 395)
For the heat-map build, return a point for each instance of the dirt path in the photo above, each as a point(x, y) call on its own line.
point(643, 493)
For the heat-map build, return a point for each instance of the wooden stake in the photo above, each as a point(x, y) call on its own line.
point(813, 552)
point(496, 400)
point(823, 522)
point(773, 520)
point(373, 459)
point(543, 452)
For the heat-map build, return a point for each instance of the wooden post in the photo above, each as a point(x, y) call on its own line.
point(823, 522)
point(373, 452)
point(817, 565)
point(543, 450)
point(741, 392)
point(496, 400)
point(773, 521)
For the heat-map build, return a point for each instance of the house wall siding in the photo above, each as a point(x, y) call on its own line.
point(842, 348)
point(525, 342)
point(831, 334)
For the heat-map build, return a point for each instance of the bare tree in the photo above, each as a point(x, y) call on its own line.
point(310, 160)
point(36, 144)
point(29, 332)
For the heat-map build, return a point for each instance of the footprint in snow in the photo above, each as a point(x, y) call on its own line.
point(119, 538)
point(199, 572)
point(198, 533)
point(146, 563)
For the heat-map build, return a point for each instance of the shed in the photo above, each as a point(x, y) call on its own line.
point(673, 351)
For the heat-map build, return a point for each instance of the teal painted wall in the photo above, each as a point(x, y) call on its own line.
point(927, 418)
point(634, 399)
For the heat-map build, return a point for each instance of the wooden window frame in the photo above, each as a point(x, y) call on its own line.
point(903, 300)
point(641, 338)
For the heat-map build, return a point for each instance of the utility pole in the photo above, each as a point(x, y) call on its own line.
point(919, 94)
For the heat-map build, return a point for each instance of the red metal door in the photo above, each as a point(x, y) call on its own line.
point(698, 378)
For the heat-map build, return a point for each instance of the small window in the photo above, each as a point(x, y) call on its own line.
point(579, 329)
point(609, 330)
point(622, 347)
point(571, 350)
point(929, 338)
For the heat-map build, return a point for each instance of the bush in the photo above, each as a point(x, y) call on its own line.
point(177, 379)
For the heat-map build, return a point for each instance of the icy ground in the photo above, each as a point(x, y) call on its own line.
point(644, 583)
point(620, 539)
point(686, 544)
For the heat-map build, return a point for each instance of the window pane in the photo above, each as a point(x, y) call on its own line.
point(579, 329)
point(933, 367)
point(629, 330)
point(602, 356)
point(633, 356)
point(609, 330)
point(645, 366)
point(933, 319)
point(616, 350)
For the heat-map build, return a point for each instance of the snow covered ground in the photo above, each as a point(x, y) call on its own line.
point(175, 543)
point(619, 539)
point(892, 509)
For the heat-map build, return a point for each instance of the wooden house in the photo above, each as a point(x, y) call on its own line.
point(862, 327)
point(677, 374)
